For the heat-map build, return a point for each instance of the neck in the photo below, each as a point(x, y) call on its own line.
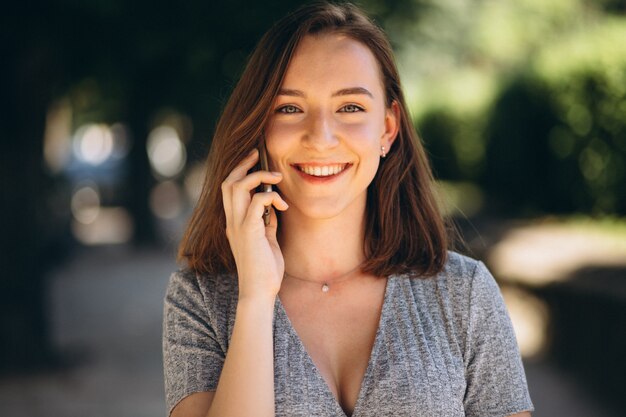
point(321, 249)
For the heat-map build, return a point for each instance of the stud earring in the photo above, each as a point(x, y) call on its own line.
point(384, 154)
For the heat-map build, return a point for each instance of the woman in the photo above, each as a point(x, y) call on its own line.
point(348, 302)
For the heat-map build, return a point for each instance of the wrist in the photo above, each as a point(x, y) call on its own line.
point(256, 300)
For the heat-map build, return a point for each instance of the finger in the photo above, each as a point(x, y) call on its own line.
point(239, 172)
point(240, 200)
point(270, 230)
point(243, 167)
point(262, 200)
point(252, 181)
point(273, 226)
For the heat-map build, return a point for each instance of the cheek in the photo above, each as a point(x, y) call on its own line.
point(277, 141)
point(369, 127)
point(362, 137)
point(279, 130)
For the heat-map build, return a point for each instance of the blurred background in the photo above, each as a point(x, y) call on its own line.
point(107, 112)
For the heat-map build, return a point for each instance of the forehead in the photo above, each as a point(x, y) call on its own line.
point(333, 61)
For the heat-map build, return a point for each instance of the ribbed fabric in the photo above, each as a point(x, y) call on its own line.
point(444, 347)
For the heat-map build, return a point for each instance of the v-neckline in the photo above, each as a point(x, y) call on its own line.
point(373, 353)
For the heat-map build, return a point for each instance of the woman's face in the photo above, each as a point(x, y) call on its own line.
point(328, 124)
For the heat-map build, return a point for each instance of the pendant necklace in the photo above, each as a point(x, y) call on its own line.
point(326, 285)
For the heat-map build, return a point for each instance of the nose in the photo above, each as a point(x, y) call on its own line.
point(320, 133)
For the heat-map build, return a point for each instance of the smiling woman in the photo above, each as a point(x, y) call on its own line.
point(348, 303)
point(337, 118)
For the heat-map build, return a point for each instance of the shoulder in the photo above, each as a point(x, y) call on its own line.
point(455, 291)
point(468, 281)
point(456, 276)
point(208, 284)
point(460, 267)
point(212, 293)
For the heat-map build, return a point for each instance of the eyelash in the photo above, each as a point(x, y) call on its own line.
point(358, 108)
point(290, 106)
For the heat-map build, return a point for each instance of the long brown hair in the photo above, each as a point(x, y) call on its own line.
point(405, 231)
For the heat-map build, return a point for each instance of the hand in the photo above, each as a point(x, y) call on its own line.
point(260, 263)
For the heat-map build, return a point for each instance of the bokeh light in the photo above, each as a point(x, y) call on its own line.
point(113, 225)
point(166, 152)
point(57, 146)
point(545, 253)
point(530, 318)
point(166, 200)
point(86, 203)
point(93, 143)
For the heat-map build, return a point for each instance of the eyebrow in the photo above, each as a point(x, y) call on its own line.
point(342, 92)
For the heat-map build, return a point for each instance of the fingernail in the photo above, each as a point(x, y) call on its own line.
point(277, 174)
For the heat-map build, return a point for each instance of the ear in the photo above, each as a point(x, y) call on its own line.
point(392, 125)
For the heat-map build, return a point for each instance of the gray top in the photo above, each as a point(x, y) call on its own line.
point(444, 347)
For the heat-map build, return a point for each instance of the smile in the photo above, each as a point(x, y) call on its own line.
point(322, 170)
point(321, 174)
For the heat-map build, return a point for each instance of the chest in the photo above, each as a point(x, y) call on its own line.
point(366, 361)
point(339, 338)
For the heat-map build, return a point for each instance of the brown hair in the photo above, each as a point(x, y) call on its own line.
point(405, 231)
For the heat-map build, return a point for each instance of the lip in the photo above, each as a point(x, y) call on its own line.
point(320, 180)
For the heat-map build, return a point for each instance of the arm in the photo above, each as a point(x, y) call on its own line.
point(246, 385)
point(496, 381)
point(194, 405)
point(250, 354)
point(245, 369)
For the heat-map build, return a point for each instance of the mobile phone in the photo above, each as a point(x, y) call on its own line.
point(265, 187)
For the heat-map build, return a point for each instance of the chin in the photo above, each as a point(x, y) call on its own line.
point(323, 210)
point(321, 213)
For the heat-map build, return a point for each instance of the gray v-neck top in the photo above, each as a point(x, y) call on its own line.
point(444, 347)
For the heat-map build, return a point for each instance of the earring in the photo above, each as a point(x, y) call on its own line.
point(384, 154)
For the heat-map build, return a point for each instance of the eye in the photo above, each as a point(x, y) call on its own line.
point(351, 108)
point(288, 109)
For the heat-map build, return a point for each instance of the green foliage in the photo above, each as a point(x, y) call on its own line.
point(455, 143)
point(526, 98)
point(558, 135)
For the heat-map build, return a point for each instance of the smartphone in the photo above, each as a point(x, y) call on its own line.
point(265, 187)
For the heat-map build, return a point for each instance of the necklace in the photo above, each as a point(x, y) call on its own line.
point(326, 284)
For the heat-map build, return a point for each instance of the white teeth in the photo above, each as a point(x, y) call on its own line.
point(322, 171)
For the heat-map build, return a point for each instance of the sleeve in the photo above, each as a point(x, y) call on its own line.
point(496, 382)
point(192, 356)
